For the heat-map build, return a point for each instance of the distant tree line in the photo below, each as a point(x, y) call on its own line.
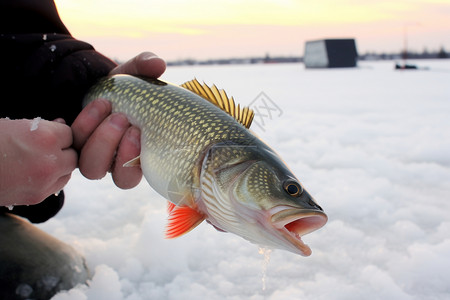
point(267, 59)
point(425, 54)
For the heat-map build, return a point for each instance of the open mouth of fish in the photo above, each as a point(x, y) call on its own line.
point(293, 223)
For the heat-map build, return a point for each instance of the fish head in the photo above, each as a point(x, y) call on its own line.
point(258, 198)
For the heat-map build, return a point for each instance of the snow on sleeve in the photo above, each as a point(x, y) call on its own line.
point(35, 124)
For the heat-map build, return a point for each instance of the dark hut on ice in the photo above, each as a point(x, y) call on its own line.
point(330, 53)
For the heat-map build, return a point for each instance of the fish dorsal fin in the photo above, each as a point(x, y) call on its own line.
point(182, 219)
point(219, 98)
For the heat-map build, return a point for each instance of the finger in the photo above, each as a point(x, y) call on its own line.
point(68, 161)
point(98, 152)
point(52, 134)
point(60, 120)
point(64, 135)
point(88, 120)
point(61, 183)
point(145, 64)
point(127, 177)
point(52, 166)
point(58, 185)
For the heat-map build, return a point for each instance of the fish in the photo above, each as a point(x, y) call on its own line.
point(198, 152)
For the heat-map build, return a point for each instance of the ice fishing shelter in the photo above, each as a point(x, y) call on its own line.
point(330, 53)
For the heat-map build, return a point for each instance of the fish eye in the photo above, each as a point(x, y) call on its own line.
point(293, 188)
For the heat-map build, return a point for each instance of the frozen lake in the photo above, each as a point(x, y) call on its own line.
point(371, 144)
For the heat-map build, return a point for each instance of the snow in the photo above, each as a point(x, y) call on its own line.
point(35, 123)
point(24, 290)
point(370, 144)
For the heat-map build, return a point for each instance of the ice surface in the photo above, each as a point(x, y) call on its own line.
point(370, 144)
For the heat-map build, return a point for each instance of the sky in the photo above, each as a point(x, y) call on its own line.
point(375, 159)
point(201, 29)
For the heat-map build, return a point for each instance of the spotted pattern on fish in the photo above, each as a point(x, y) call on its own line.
point(176, 126)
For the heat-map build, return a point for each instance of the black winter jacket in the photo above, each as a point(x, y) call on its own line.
point(44, 72)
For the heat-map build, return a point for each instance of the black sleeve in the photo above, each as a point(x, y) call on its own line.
point(46, 75)
point(45, 71)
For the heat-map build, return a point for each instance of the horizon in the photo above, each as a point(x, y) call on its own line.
point(201, 30)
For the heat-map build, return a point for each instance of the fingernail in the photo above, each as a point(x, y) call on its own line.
point(59, 120)
point(149, 56)
point(118, 121)
point(95, 111)
point(134, 136)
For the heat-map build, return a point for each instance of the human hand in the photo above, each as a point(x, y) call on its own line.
point(107, 140)
point(35, 160)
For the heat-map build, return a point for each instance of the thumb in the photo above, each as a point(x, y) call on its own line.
point(145, 64)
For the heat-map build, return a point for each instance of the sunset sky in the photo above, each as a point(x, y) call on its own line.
point(200, 29)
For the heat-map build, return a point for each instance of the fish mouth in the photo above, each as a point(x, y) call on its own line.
point(293, 223)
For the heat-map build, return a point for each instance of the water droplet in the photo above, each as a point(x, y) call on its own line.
point(266, 253)
point(52, 48)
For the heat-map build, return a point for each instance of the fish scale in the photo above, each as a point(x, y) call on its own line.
point(176, 124)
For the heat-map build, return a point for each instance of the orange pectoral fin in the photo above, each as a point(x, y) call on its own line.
point(170, 207)
point(182, 219)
